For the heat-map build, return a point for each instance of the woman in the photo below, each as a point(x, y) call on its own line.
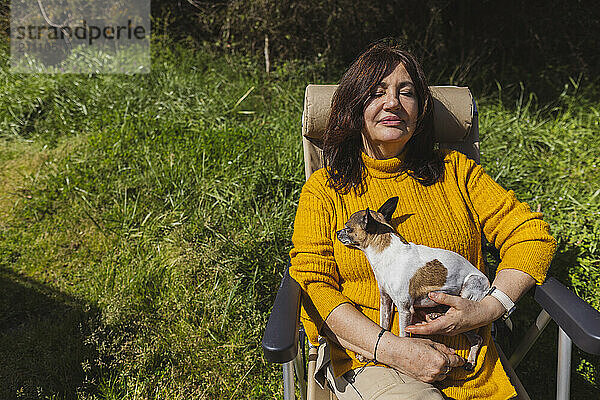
point(378, 144)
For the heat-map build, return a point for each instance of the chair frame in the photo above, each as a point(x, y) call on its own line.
point(577, 321)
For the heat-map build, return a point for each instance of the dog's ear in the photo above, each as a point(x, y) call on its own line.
point(364, 221)
point(371, 224)
point(388, 208)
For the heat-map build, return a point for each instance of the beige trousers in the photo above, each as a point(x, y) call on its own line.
point(371, 382)
point(380, 383)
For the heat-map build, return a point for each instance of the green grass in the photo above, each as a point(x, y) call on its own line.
point(145, 222)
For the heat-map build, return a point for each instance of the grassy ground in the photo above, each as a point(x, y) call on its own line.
point(145, 222)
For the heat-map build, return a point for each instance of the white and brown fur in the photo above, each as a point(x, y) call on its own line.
point(407, 272)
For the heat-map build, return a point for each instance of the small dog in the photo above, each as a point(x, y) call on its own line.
point(407, 272)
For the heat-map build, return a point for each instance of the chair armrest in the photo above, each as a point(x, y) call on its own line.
point(280, 341)
point(579, 320)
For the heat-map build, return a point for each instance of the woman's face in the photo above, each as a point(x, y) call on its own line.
point(390, 115)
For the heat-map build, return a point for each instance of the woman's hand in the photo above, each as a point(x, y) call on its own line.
point(462, 316)
point(422, 359)
point(465, 315)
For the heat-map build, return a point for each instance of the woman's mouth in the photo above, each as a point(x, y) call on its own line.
point(391, 121)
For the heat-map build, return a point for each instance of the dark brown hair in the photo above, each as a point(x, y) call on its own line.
point(342, 145)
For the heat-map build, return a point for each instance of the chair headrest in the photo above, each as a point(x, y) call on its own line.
point(453, 111)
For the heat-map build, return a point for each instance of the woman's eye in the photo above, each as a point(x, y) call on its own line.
point(408, 94)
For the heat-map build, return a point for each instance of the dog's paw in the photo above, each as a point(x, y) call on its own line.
point(362, 358)
point(431, 316)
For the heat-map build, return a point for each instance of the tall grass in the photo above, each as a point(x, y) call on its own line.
point(146, 221)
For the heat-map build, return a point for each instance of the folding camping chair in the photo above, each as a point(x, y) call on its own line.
point(456, 126)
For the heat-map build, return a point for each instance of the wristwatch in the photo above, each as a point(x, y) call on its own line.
point(503, 298)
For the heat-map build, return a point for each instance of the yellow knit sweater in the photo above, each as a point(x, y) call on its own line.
point(449, 214)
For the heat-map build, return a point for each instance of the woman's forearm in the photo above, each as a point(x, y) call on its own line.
point(352, 330)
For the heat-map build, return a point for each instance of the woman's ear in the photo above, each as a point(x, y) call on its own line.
point(388, 208)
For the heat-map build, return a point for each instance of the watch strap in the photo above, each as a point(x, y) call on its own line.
point(503, 298)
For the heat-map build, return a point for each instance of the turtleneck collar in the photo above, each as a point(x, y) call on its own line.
point(388, 168)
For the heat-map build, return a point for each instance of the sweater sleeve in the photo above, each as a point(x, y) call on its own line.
point(522, 236)
point(312, 262)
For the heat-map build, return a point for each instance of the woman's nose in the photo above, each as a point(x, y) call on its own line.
point(391, 102)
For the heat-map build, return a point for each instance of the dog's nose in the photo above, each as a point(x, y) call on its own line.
point(342, 236)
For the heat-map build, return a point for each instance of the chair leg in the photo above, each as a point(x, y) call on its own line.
point(563, 376)
point(288, 381)
point(297, 365)
point(530, 337)
point(300, 373)
point(514, 379)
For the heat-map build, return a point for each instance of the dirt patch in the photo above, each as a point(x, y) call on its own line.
point(18, 161)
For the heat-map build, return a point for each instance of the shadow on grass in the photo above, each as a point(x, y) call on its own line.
point(43, 350)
